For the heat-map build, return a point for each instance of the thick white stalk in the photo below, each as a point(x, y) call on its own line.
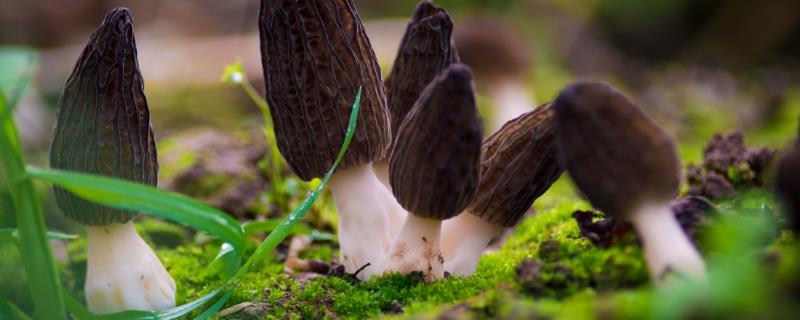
point(667, 250)
point(395, 214)
point(417, 249)
point(510, 99)
point(123, 273)
point(464, 239)
point(363, 235)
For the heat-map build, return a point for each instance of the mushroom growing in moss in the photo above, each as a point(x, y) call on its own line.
point(434, 169)
point(103, 127)
point(518, 164)
point(426, 49)
point(315, 56)
point(627, 166)
point(501, 59)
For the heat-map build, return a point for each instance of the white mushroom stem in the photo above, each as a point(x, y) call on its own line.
point(396, 215)
point(363, 234)
point(123, 273)
point(667, 250)
point(417, 248)
point(509, 99)
point(464, 239)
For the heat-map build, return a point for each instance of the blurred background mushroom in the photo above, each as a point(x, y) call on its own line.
point(627, 167)
point(502, 60)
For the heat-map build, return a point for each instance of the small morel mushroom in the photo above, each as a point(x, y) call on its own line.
point(434, 169)
point(518, 164)
point(426, 49)
point(501, 59)
point(787, 183)
point(315, 56)
point(627, 167)
point(103, 127)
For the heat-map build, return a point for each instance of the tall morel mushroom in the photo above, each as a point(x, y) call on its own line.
point(426, 49)
point(501, 59)
point(518, 164)
point(315, 56)
point(434, 169)
point(103, 127)
point(627, 167)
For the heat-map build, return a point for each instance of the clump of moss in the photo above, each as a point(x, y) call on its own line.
point(162, 233)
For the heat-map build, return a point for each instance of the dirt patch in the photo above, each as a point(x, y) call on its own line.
point(691, 212)
point(728, 164)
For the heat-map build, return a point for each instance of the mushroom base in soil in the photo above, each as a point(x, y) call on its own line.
point(417, 248)
point(363, 234)
point(668, 252)
point(123, 273)
point(467, 236)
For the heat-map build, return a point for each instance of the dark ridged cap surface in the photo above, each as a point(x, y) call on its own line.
point(315, 56)
point(519, 163)
point(434, 169)
point(103, 122)
point(617, 156)
point(426, 49)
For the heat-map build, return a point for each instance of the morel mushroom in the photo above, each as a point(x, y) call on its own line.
point(787, 183)
point(434, 169)
point(627, 166)
point(501, 59)
point(103, 127)
point(426, 49)
point(315, 56)
point(518, 164)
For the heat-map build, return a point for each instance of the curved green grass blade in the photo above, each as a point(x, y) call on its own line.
point(253, 227)
point(37, 257)
point(138, 197)
point(11, 234)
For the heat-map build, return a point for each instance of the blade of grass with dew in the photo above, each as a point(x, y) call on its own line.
point(124, 194)
point(37, 257)
point(11, 234)
point(253, 227)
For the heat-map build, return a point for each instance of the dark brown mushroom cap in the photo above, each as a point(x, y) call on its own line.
point(103, 122)
point(426, 49)
point(787, 184)
point(493, 48)
point(434, 169)
point(617, 156)
point(519, 163)
point(315, 56)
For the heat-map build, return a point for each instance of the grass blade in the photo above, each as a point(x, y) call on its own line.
point(11, 234)
point(138, 197)
point(37, 257)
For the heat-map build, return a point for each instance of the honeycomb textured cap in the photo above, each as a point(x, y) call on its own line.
point(519, 163)
point(616, 155)
point(103, 122)
point(315, 56)
point(425, 50)
point(434, 169)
